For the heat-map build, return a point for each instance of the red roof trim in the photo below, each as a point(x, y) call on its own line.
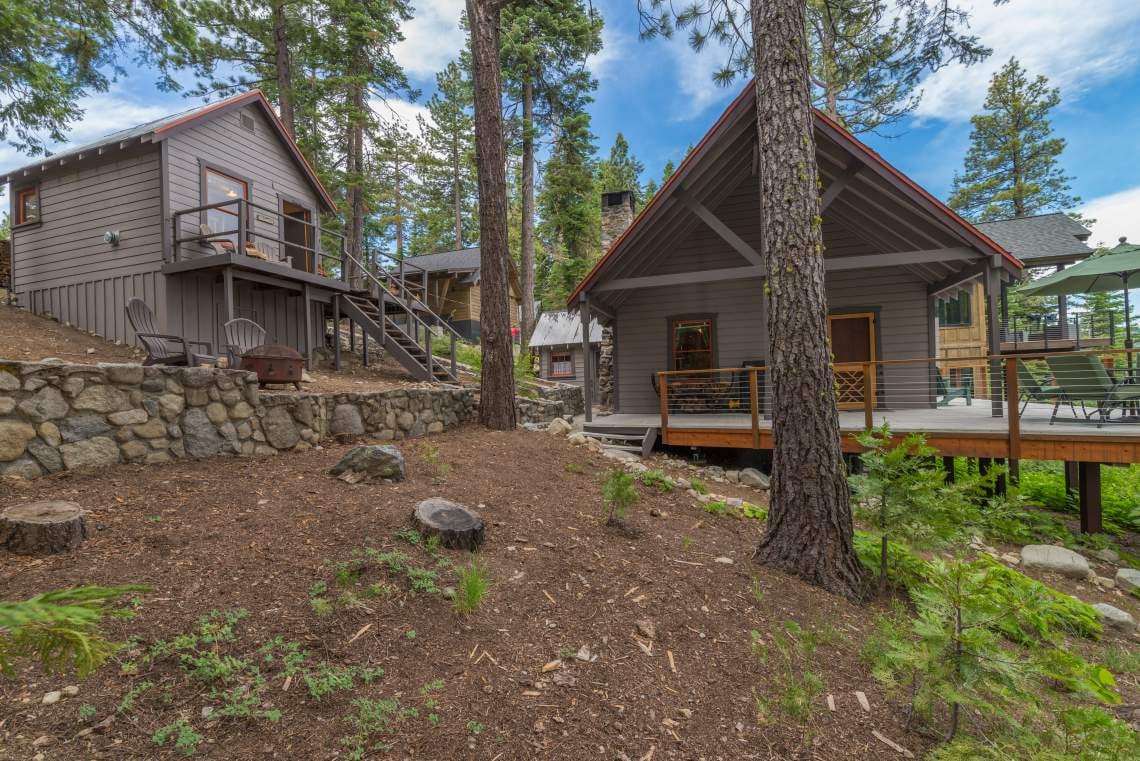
point(843, 133)
point(256, 95)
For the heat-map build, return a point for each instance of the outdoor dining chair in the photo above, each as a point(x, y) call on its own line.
point(1083, 380)
point(948, 393)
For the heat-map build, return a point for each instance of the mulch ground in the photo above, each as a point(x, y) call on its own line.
point(258, 534)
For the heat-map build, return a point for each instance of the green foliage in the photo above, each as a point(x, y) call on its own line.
point(1044, 483)
point(902, 497)
point(86, 712)
point(716, 507)
point(622, 171)
point(698, 486)
point(475, 727)
point(473, 583)
point(329, 679)
point(656, 479)
point(60, 629)
point(618, 494)
point(797, 686)
point(1012, 168)
point(182, 733)
point(372, 718)
point(410, 535)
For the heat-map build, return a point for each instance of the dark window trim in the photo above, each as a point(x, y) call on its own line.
point(18, 207)
point(570, 358)
point(968, 315)
point(205, 167)
point(674, 318)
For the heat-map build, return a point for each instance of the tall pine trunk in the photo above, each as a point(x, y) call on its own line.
point(457, 190)
point(283, 67)
point(809, 531)
point(497, 388)
point(527, 211)
point(354, 166)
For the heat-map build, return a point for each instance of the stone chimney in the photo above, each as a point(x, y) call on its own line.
point(617, 215)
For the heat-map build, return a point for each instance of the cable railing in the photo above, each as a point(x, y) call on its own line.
point(997, 396)
point(1078, 330)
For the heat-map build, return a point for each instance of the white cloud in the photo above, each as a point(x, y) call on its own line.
point(432, 38)
point(402, 110)
point(695, 77)
point(1072, 44)
point(1116, 215)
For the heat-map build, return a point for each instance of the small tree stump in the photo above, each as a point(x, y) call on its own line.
point(36, 528)
point(455, 525)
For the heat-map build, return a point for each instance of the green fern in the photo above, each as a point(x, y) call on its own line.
point(60, 629)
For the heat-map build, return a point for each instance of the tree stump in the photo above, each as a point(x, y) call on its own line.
point(37, 528)
point(456, 526)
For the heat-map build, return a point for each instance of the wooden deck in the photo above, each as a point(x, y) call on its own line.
point(957, 430)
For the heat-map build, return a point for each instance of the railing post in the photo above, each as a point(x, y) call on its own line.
point(1011, 397)
point(663, 382)
point(868, 398)
point(173, 237)
point(1077, 330)
point(754, 406)
point(242, 224)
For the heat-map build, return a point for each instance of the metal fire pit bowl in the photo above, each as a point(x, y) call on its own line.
point(274, 364)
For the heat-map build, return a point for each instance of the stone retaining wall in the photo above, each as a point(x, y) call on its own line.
point(570, 395)
point(55, 416)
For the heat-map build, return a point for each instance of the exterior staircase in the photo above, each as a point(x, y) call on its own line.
point(389, 307)
point(634, 439)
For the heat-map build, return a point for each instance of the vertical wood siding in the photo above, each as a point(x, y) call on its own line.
point(63, 267)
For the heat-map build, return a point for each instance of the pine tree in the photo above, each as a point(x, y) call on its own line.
point(448, 168)
point(571, 215)
point(544, 51)
point(1011, 169)
point(395, 157)
point(622, 170)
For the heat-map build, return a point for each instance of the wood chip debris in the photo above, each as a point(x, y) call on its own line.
point(862, 698)
point(831, 703)
point(359, 633)
point(548, 597)
point(891, 744)
point(551, 666)
point(672, 664)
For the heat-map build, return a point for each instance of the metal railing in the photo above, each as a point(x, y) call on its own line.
point(245, 238)
point(1043, 332)
point(992, 396)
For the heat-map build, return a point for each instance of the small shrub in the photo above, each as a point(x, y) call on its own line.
point(474, 727)
point(573, 467)
point(656, 479)
point(619, 494)
point(86, 712)
point(439, 468)
point(182, 733)
point(329, 679)
point(474, 581)
point(372, 717)
point(798, 687)
point(698, 486)
point(423, 580)
point(716, 507)
point(410, 535)
point(755, 512)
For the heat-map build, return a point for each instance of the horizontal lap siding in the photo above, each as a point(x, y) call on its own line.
point(259, 157)
point(900, 300)
point(64, 267)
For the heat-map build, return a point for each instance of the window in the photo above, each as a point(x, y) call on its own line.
point(561, 365)
point(27, 206)
point(954, 312)
point(691, 344)
point(218, 187)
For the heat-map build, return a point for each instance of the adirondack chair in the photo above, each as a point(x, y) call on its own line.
point(241, 336)
point(1030, 389)
point(220, 245)
point(1083, 379)
point(948, 393)
point(163, 348)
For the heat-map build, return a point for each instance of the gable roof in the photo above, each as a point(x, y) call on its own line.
point(562, 328)
point(160, 129)
point(1044, 239)
point(464, 259)
point(742, 108)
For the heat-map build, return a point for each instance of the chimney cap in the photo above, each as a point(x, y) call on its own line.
point(617, 198)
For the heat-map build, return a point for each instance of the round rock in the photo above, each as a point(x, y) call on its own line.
point(456, 526)
point(35, 528)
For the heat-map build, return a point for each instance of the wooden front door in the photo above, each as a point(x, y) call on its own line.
point(852, 343)
point(298, 236)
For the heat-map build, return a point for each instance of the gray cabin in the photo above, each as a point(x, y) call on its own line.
point(557, 338)
point(206, 215)
point(683, 286)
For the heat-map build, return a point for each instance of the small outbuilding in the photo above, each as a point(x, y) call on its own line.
point(557, 338)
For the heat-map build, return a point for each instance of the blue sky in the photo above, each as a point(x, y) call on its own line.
point(660, 94)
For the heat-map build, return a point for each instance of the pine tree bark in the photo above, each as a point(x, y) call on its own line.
point(497, 386)
point(809, 531)
point(457, 190)
point(354, 166)
point(527, 236)
point(283, 65)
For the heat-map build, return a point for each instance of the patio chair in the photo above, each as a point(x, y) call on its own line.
point(1029, 389)
point(242, 335)
point(948, 393)
point(163, 348)
point(221, 245)
point(1083, 379)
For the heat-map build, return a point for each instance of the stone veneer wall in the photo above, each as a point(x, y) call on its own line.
point(570, 395)
point(56, 416)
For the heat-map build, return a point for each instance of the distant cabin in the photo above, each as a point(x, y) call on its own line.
point(557, 338)
point(454, 289)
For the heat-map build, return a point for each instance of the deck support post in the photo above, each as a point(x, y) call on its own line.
point(351, 336)
point(1089, 491)
point(228, 292)
point(948, 467)
point(587, 359)
point(993, 334)
point(984, 466)
point(305, 296)
point(336, 331)
point(1072, 479)
point(1000, 481)
point(364, 347)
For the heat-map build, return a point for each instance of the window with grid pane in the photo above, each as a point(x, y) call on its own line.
point(954, 312)
point(691, 344)
point(561, 365)
point(27, 206)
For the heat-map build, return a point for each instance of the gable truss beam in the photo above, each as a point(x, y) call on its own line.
point(841, 264)
point(839, 183)
point(720, 228)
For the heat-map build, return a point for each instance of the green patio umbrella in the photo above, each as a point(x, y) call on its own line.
point(1117, 269)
